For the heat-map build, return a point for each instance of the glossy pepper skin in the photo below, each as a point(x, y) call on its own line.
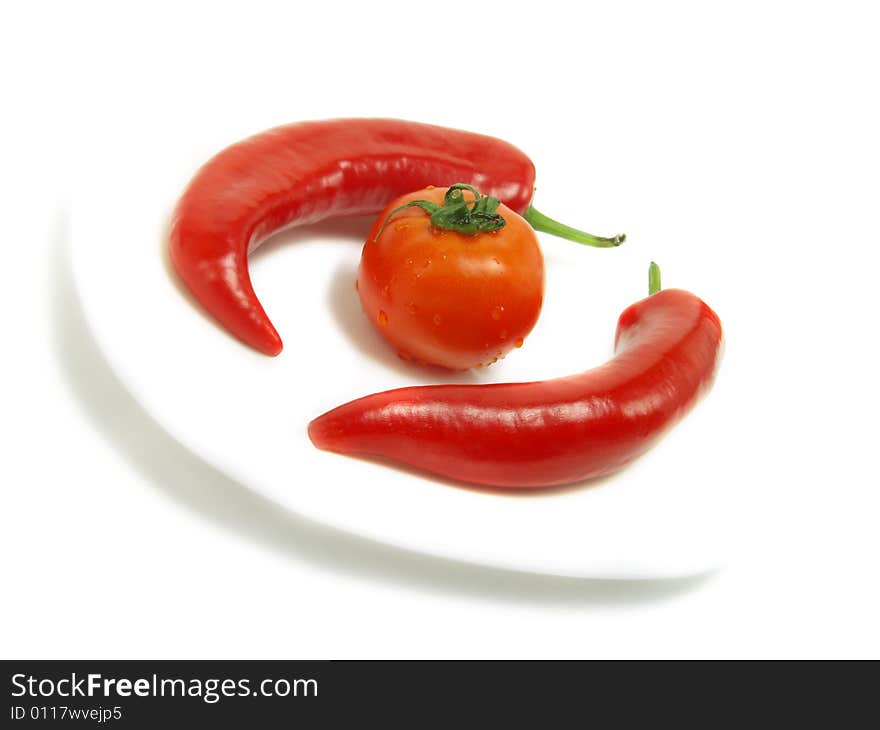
point(307, 172)
point(552, 432)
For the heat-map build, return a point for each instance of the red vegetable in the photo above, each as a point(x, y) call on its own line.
point(551, 432)
point(458, 288)
point(307, 172)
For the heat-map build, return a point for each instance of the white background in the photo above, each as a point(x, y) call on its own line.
point(737, 145)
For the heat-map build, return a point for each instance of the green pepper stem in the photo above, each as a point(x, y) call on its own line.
point(653, 279)
point(541, 222)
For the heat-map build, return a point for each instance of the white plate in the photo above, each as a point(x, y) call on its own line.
point(246, 414)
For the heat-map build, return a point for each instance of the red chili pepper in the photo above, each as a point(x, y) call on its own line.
point(311, 171)
point(552, 432)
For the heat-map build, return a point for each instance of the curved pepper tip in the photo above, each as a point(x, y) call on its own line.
point(268, 342)
point(318, 433)
point(273, 347)
point(332, 431)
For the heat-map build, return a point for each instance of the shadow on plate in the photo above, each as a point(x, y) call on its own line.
point(196, 486)
point(345, 306)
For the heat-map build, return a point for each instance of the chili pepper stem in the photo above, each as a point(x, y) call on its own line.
point(653, 279)
point(541, 222)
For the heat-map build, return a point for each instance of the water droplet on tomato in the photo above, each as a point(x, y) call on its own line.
point(497, 312)
point(385, 290)
point(438, 320)
point(382, 319)
point(401, 227)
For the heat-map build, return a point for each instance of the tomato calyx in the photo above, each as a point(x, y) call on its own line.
point(458, 214)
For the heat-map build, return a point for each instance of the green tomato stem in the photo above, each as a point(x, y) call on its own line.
point(541, 222)
point(469, 217)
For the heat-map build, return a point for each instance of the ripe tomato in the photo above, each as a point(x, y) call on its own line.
point(448, 298)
